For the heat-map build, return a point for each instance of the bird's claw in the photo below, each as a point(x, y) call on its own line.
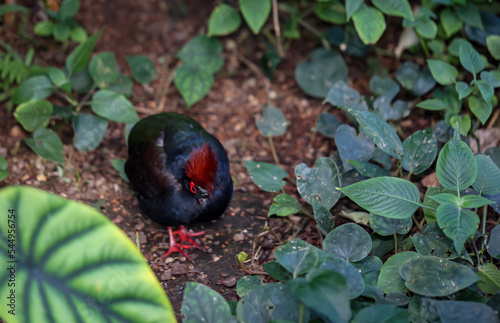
point(184, 236)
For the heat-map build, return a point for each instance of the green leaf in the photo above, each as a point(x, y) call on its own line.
point(384, 86)
point(368, 169)
point(457, 223)
point(103, 69)
point(493, 245)
point(417, 81)
point(319, 182)
point(44, 28)
point(444, 73)
point(255, 13)
point(267, 177)
point(456, 166)
point(119, 165)
point(284, 205)
point(78, 34)
point(387, 226)
point(470, 15)
point(200, 303)
point(3, 168)
point(433, 276)
point(273, 122)
point(380, 131)
point(271, 303)
point(433, 104)
point(432, 241)
point(203, 52)
point(353, 147)
point(122, 85)
point(192, 82)
point(35, 88)
point(278, 272)
point(463, 122)
point(493, 43)
point(450, 22)
point(327, 124)
point(400, 8)
point(318, 76)
point(488, 176)
point(59, 79)
point(246, 283)
point(325, 291)
point(62, 31)
point(106, 280)
point(342, 94)
point(383, 313)
point(348, 241)
point(491, 78)
point(89, 131)
point(68, 9)
point(420, 150)
point(473, 201)
point(77, 60)
point(369, 23)
point(470, 59)
point(486, 90)
point(331, 11)
point(142, 68)
point(223, 20)
point(113, 106)
point(455, 311)
point(34, 114)
point(463, 89)
point(446, 198)
point(430, 210)
point(351, 6)
point(355, 282)
point(481, 109)
point(297, 256)
point(47, 144)
point(324, 219)
point(386, 196)
point(389, 279)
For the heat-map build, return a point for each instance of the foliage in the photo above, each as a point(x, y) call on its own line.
point(62, 25)
point(105, 279)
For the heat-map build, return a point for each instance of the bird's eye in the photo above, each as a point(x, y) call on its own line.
point(192, 187)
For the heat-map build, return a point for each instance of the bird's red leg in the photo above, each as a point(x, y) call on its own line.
point(184, 236)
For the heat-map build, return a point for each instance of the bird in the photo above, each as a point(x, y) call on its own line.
point(181, 174)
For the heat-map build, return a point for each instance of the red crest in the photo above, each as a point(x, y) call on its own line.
point(201, 167)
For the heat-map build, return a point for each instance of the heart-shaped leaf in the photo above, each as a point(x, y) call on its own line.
point(200, 303)
point(284, 205)
point(297, 256)
point(47, 144)
point(454, 311)
point(103, 69)
point(327, 124)
point(203, 52)
point(384, 86)
point(273, 122)
point(342, 94)
point(417, 81)
point(255, 13)
point(113, 106)
point(369, 23)
point(432, 241)
point(193, 82)
point(106, 279)
point(420, 150)
point(89, 131)
point(387, 226)
point(223, 20)
point(352, 275)
point(142, 68)
point(323, 217)
point(389, 279)
point(352, 147)
point(267, 177)
point(348, 241)
point(382, 107)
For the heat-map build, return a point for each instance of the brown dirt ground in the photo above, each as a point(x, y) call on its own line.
point(158, 29)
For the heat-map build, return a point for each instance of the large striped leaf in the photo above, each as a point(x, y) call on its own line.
point(386, 196)
point(457, 223)
point(72, 264)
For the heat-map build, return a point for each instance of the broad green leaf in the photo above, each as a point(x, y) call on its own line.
point(82, 82)
point(400, 8)
point(342, 94)
point(35, 88)
point(278, 272)
point(331, 11)
point(470, 15)
point(273, 122)
point(3, 168)
point(420, 150)
point(470, 59)
point(246, 283)
point(89, 131)
point(473, 201)
point(463, 89)
point(463, 122)
point(481, 109)
point(319, 182)
point(382, 313)
point(446, 198)
point(255, 13)
point(432, 241)
point(456, 166)
point(355, 282)
point(68, 9)
point(430, 210)
point(267, 177)
point(47, 144)
point(449, 96)
point(491, 78)
point(271, 303)
point(77, 60)
point(493, 245)
point(398, 110)
point(387, 226)
point(203, 52)
point(457, 223)
point(62, 31)
point(444, 73)
point(380, 131)
point(119, 165)
point(493, 43)
point(142, 68)
point(122, 85)
point(327, 124)
point(433, 104)
point(324, 218)
point(297, 256)
point(79, 34)
point(113, 106)
point(412, 78)
point(389, 279)
point(223, 20)
point(454, 46)
point(384, 86)
point(59, 79)
point(326, 292)
point(106, 280)
point(369, 23)
point(193, 82)
point(284, 205)
point(386, 196)
point(200, 303)
point(318, 76)
point(369, 268)
point(348, 241)
point(488, 176)
point(44, 28)
point(103, 69)
point(392, 298)
point(351, 6)
point(435, 277)
point(353, 147)
point(456, 311)
point(450, 22)
point(347, 40)
point(486, 90)
point(368, 169)
point(34, 114)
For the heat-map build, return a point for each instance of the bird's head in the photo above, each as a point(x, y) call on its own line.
point(201, 170)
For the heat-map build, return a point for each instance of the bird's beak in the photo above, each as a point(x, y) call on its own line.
point(202, 201)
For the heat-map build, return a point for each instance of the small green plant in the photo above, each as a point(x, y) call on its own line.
point(62, 25)
point(82, 83)
point(4, 166)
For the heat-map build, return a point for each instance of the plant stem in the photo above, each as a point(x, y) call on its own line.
point(483, 229)
point(424, 46)
point(277, 30)
point(301, 314)
point(316, 33)
point(476, 252)
point(416, 222)
point(242, 267)
point(85, 98)
point(395, 243)
point(273, 151)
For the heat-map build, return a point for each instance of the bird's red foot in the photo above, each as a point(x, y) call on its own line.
point(184, 236)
